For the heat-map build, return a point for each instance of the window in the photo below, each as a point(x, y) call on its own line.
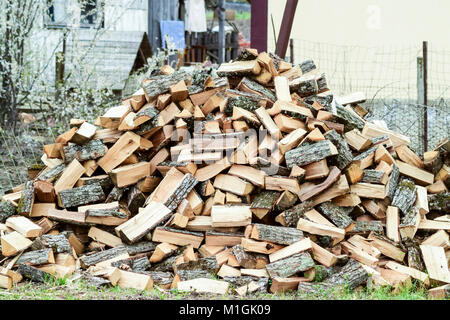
point(55, 16)
point(91, 13)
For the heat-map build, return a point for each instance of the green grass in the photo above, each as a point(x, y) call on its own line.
point(63, 289)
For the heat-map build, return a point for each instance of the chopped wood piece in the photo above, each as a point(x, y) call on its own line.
point(291, 265)
point(26, 198)
point(296, 247)
point(436, 263)
point(84, 133)
point(232, 184)
point(24, 226)
point(177, 237)
point(263, 247)
point(369, 190)
point(304, 155)
point(204, 285)
point(311, 190)
point(14, 242)
point(153, 215)
point(280, 183)
point(416, 274)
point(231, 216)
point(420, 176)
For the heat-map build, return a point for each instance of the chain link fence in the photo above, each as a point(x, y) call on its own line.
point(388, 75)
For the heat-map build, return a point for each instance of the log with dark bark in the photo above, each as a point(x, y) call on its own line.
point(34, 274)
point(92, 150)
point(276, 234)
point(338, 215)
point(243, 102)
point(26, 199)
point(254, 87)
point(286, 200)
point(194, 274)
point(81, 195)
point(307, 154)
point(145, 114)
point(307, 66)
point(364, 227)
point(439, 202)
point(89, 260)
point(57, 242)
point(290, 217)
point(7, 209)
point(346, 117)
point(105, 182)
point(261, 283)
point(115, 194)
point(36, 257)
point(105, 213)
point(345, 157)
point(52, 173)
point(304, 86)
point(208, 264)
point(351, 276)
point(393, 182)
point(414, 256)
point(291, 265)
point(184, 187)
point(245, 259)
point(264, 201)
point(161, 84)
point(168, 263)
point(374, 176)
point(405, 195)
point(135, 200)
point(140, 247)
point(162, 279)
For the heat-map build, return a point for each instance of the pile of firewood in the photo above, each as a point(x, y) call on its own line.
point(248, 178)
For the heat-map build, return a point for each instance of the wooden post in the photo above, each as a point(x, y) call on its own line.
point(425, 95)
point(221, 9)
point(291, 47)
point(285, 29)
point(259, 22)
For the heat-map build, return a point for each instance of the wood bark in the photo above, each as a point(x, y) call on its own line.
point(254, 87)
point(243, 102)
point(245, 259)
point(276, 234)
point(135, 200)
point(207, 264)
point(36, 257)
point(307, 154)
point(7, 209)
point(57, 242)
point(161, 84)
point(414, 256)
point(393, 182)
point(260, 283)
point(349, 120)
point(292, 215)
point(439, 202)
point(26, 199)
point(291, 265)
point(373, 176)
point(92, 150)
point(52, 173)
point(34, 274)
point(168, 263)
point(308, 193)
point(366, 227)
point(184, 187)
point(338, 215)
point(350, 276)
point(89, 260)
point(265, 200)
point(405, 195)
point(345, 157)
point(140, 247)
point(115, 194)
point(81, 195)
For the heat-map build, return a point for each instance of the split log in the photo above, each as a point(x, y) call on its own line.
point(177, 237)
point(344, 157)
point(307, 154)
point(34, 274)
point(37, 257)
point(264, 202)
point(152, 216)
point(26, 199)
point(404, 196)
point(279, 235)
point(7, 209)
point(291, 265)
point(12, 243)
point(338, 215)
point(374, 176)
point(439, 202)
point(290, 217)
point(92, 150)
point(307, 191)
point(409, 223)
point(70, 198)
point(104, 257)
point(58, 243)
point(245, 259)
point(161, 84)
point(350, 276)
point(393, 182)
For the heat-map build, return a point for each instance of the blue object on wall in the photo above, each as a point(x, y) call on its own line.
point(174, 31)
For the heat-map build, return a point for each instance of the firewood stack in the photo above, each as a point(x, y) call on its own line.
point(219, 181)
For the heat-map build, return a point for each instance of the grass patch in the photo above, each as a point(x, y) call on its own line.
point(81, 290)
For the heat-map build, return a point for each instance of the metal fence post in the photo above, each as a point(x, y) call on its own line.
point(425, 95)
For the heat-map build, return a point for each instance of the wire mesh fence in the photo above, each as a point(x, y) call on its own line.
point(388, 75)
